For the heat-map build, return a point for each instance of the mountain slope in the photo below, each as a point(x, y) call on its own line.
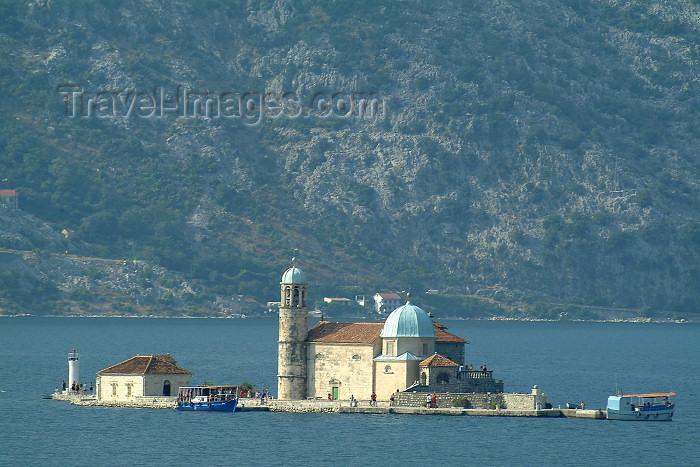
point(523, 151)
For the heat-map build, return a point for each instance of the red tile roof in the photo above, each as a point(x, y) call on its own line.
point(146, 364)
point(326, 331)
point(389, 296)
point(438, 360)
point(8, 192)
point(444, 336)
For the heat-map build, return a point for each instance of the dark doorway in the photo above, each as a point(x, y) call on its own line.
point(166, 388)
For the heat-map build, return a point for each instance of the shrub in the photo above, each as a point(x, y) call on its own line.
point(461, 402)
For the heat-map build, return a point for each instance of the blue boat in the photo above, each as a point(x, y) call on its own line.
point(208, 398)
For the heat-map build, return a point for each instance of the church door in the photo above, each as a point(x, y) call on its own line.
point(166, 387)
point(335, 393)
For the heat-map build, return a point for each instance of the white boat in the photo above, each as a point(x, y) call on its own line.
point(658, 406)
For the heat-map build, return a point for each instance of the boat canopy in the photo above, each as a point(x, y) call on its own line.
point(653, 394)
point(614, 402)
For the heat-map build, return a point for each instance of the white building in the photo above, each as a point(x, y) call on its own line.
point(141, 376)
point(386, 302)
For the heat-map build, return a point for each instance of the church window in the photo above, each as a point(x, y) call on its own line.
point(356, 357)
point(295, 298)
point(423, 379)
point(390, 348)
point(114, 389)
point(128, 389)
point(387, 369)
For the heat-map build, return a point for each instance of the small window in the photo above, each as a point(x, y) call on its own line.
point(390, 348)
point(319, 355)
point(387, 369)
point(128, 389)
point(356, 357)
point(114, 389)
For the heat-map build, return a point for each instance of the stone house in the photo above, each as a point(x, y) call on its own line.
point(141, 376)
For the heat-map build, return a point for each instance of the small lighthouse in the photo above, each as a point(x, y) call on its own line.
point(73, 368)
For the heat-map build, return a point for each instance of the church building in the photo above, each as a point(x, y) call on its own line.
point(406, 352)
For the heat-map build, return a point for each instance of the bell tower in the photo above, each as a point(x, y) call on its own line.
point(293, 331)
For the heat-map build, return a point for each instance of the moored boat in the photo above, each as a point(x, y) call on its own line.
point(208, 398)
point(658, 406)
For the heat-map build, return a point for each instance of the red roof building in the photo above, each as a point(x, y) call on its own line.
point(335, 332)
point(141, 376)
point(386, 302)
point(9, 198)
point(146, 364)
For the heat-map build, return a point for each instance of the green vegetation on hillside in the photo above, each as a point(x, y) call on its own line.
point(535, 149)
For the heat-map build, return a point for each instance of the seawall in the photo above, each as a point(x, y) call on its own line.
point(322, 406)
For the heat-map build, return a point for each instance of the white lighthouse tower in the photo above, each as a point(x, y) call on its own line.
point(73, 368)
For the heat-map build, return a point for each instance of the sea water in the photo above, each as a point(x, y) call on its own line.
point(570, 361)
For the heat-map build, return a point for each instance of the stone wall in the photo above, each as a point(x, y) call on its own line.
point(130, 387)
point(349, 367)
point(452, 350)
point(157, 402)
point(464, 382)
point(475, 401)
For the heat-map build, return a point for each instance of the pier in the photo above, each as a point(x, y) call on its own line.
point(320, 406)
point(339, 407)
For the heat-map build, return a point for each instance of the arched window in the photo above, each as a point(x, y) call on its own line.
point(387, 369)
point(166, 387)
point(295, 298)
point(356, 357)
point(424, 379)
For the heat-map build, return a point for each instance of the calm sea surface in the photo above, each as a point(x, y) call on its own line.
point(570, 362)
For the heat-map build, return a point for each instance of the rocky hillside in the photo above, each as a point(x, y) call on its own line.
point(530, 151)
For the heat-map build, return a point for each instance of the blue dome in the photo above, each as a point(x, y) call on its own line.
point(293, 275)
point(408, 321)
